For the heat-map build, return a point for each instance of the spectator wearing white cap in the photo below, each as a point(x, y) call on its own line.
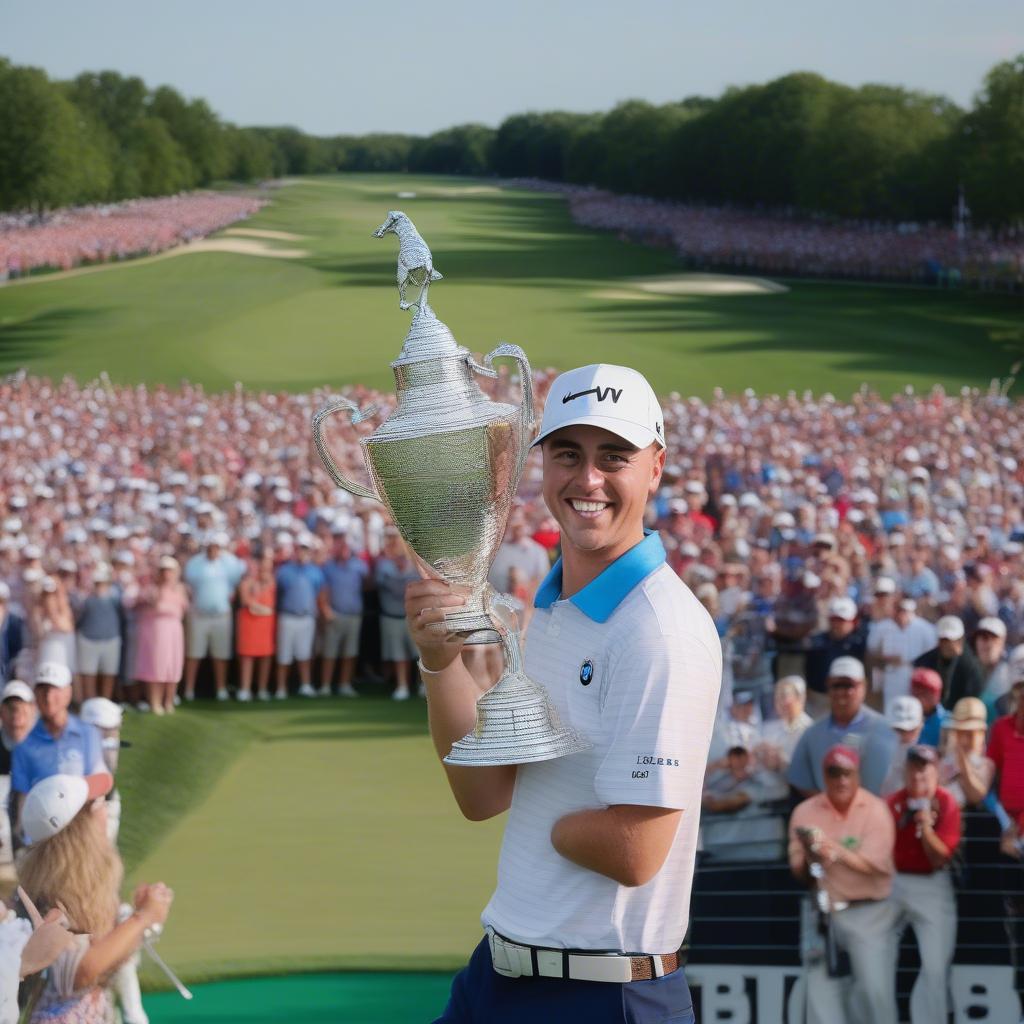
point(906, 717)
point(959, 669)
point(212, 576)
point(17, 716)
point(842, 638)
point(299, 582)
point(893, 645)
point(98, 624)
point(12, 634)
point(71, 864)
point(850, 723)
point(990, 650)
point(346, 577)
point(59, 743)
point(106, 717)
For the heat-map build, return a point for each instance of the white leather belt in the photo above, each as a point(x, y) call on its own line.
point(514, 960)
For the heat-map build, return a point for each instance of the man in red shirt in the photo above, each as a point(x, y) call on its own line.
point(927, 821)
point(1006, 749)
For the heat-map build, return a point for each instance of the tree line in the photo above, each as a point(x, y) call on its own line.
point(800, 142)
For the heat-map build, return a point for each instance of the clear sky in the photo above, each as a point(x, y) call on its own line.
point(334, 66)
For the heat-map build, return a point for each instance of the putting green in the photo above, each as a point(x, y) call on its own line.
point(516, 269)
point(309, 998)
point(327, 841)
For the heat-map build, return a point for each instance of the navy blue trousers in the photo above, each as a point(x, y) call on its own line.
point(480, 996)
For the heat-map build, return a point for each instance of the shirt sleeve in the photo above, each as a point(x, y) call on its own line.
point(660, 714)
point(94, 762)
point(801, 772)
point(19, 770)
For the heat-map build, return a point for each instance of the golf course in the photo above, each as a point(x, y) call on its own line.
point(302, 295)
point(311, 837)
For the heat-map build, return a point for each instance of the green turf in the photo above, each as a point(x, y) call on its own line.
point(309, 998)
point(517, 270)
point(329, 841)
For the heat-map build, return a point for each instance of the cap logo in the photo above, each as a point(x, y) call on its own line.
point(586, 672)
point(600, 393)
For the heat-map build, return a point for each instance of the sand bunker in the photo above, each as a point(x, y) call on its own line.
point(708, 284)
point(283, 236)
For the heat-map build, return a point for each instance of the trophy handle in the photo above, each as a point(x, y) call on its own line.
point(506, 351)
point(356, 415)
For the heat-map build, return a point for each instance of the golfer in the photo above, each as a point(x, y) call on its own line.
point(596, 864)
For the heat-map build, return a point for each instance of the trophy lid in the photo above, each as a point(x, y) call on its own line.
point(428, 338)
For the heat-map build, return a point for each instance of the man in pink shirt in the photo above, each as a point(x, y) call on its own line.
point(841, 842)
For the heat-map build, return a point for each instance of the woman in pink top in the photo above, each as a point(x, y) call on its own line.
point(160, 648)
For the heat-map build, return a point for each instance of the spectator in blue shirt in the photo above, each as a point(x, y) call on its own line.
point(849, 723)
point(341, 605)
point(59, 743)
point(12, 635)
point(299, 583)
point(212, 577)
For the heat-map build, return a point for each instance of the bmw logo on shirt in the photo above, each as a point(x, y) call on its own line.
point(586, 672)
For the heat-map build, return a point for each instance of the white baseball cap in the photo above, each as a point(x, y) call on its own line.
point(992, 624)
point(843, 608)
point(16, 688)
point(905, 713)
point(102, 713)
point(52, 803)
point(885, 585)
point(846, 667)
point(949, 627)
point(615, 398)
point(53, 673)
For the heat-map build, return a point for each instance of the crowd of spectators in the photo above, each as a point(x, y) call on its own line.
point(862, 561)
point(746, 241)
point(67, 238)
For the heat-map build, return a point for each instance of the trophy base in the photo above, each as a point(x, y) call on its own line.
point(516, 724)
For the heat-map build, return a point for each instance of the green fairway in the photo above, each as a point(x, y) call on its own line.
point(516, 270)
point(313, 835)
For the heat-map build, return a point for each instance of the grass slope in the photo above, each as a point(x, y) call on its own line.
point(516, 269)
point(313, 835)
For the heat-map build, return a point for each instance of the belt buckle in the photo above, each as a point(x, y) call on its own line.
point(504, 956)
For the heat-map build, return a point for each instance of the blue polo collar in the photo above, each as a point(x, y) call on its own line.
point(602, 595)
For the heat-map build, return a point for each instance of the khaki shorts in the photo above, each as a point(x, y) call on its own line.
point(396, 642)
point(295, 638)
point(341, 636)
point(99, 657)
point(209, 634)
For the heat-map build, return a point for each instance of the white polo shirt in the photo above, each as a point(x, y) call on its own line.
point(633, 661)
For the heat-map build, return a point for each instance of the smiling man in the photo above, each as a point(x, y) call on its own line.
point(596, 865)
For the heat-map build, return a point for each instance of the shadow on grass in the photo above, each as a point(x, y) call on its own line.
point(34, 336)
point(963, 337)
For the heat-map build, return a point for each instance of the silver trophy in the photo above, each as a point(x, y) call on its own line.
point(446, 464)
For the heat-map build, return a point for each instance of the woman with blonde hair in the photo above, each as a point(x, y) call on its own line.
point(71, 865)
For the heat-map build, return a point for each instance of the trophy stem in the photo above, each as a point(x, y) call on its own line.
point(516, 721)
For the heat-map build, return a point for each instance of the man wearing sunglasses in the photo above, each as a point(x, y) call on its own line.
point(848, 722)
point(848, 834)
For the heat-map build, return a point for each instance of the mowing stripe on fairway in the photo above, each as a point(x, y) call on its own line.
point(330, 842)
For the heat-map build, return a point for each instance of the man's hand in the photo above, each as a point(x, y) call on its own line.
point(1009, 843)
point(425, 604)
point(153, 903)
